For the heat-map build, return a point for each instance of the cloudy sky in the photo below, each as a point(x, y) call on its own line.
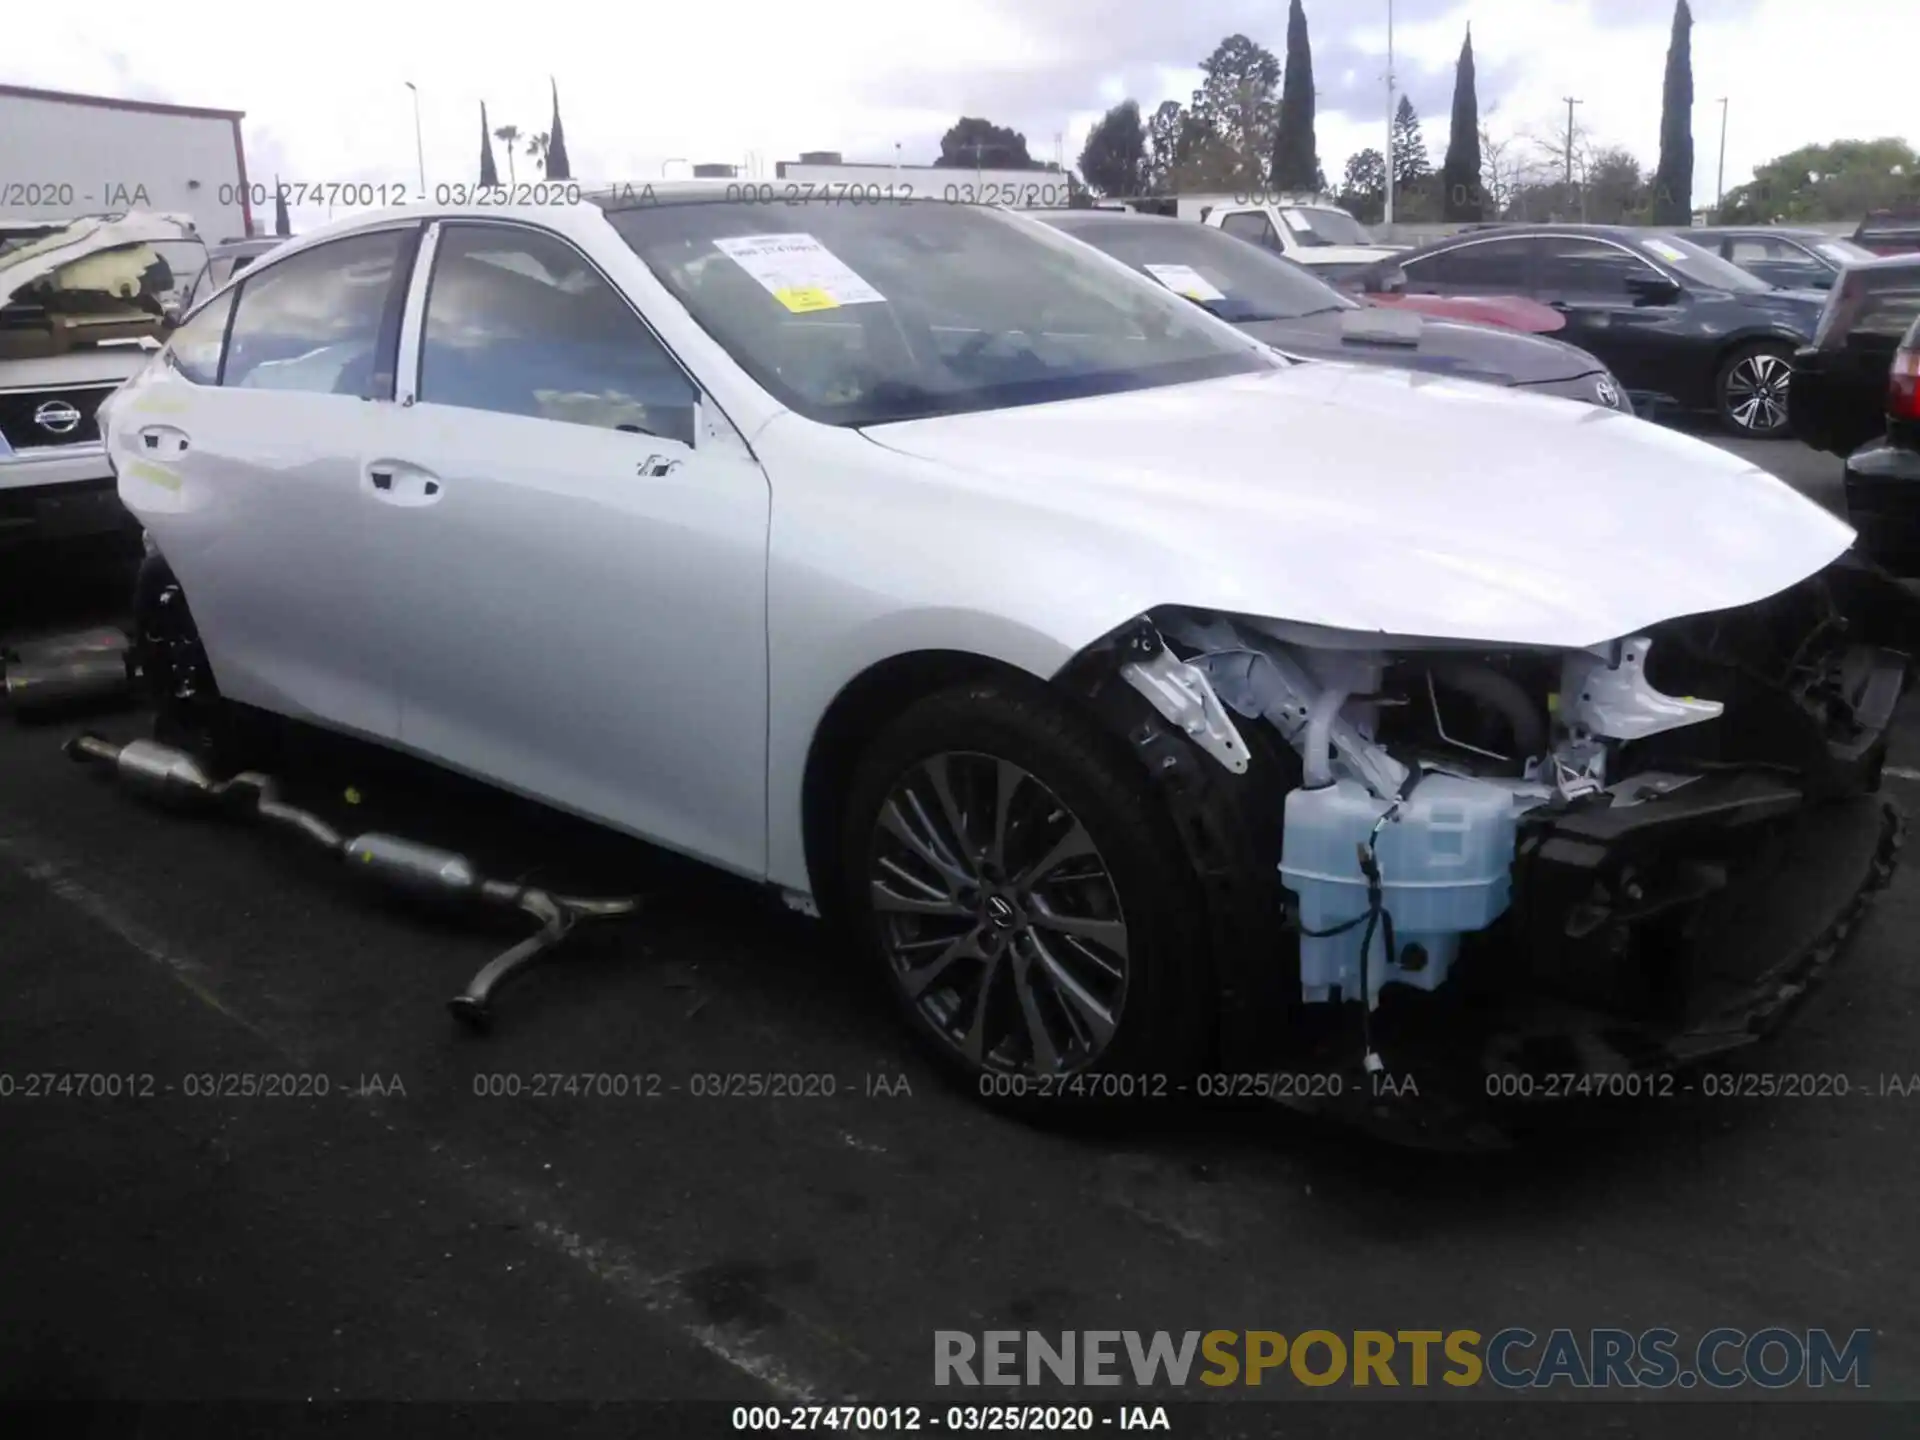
point(643, 86)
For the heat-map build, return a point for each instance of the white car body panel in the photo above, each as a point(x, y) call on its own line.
point(658, 653)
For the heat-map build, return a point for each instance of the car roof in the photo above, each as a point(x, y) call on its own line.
point(1788, 230)
point(1887, 262)
point(1122, 217)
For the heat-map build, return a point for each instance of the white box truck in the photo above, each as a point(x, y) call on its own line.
point(64, 155)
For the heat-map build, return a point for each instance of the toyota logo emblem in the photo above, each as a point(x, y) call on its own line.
point(1609, 394)
point(56, 417)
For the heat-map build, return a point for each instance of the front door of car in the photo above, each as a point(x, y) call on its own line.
point(251, 441)
point(582, 611)
point(1593, 283)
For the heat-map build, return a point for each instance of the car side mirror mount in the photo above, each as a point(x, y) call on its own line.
point(1653, 289)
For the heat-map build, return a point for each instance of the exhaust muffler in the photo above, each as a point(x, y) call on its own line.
point(175, 779)
point(92, 665)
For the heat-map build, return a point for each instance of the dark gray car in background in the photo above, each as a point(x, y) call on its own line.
point(1791, 259)
point(1682, 328)
point(1294, 310)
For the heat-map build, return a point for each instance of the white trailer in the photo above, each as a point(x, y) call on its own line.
point(64, 155)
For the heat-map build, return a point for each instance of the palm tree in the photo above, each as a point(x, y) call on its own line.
point(510, 136)
point(537, 147)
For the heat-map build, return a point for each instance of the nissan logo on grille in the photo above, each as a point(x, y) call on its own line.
point(57, 417)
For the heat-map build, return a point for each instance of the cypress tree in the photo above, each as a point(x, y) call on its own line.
point(1673, 182)
point(1460, 175)
point(1295, 156)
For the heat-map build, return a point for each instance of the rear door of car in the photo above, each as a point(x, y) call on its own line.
point(243, 453)
point(581, 611)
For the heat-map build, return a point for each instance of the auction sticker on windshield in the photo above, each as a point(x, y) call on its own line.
point(1672, 254)
point(1185, 280)
point(799, 272)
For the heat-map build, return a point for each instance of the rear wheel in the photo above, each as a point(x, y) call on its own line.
point(1027, 902)
point(1751, 389)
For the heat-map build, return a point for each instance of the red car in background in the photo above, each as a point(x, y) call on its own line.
point(1387, 287)
point(1513, 312)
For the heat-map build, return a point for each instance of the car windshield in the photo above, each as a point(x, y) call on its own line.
point(1703, 267)
point(1844, 252)
point(1233, 278)
point(899, 310)
point(1318, 225)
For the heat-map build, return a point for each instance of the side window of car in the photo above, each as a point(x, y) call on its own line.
point(1482, 265)
point(519, 322)
point(1749, 248)
point(1887, 311)
point(324, 321)
point(194, 349)
point(1252, 225)
point(1570, 265)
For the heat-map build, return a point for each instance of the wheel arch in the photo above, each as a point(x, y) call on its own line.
point(864, 705)
point(1227, 825)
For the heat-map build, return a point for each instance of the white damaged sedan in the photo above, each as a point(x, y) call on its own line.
point(1150, 707)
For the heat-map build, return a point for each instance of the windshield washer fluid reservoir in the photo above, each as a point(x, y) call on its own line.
point(1446, 867)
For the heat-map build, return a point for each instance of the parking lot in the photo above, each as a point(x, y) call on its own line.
point(419, 1221)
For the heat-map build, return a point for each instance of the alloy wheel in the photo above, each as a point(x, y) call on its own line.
point(1756, 398)
point(999, 918)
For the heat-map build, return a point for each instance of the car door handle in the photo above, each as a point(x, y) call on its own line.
point(163, 440)
point(397, 482)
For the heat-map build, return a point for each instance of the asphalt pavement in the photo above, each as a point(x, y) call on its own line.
point(245, 1152)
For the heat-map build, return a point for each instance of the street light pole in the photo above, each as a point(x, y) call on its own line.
point(1720, 182)
point(419, 144)
point(1390, 98)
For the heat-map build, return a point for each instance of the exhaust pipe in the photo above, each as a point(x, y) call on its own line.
point(174, 779)
point(90, 665)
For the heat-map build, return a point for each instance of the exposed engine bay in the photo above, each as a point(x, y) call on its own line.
point(1593, 831)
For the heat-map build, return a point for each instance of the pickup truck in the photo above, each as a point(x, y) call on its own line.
point(83, 306)
point(1323, 237)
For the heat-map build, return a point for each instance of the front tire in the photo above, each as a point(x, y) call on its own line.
point(1026, 900)
point(1750, 390)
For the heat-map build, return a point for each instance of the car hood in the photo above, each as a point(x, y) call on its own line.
point(1386, 501)
point(1408, 340)
point(1315, 256)
point(100, 253)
